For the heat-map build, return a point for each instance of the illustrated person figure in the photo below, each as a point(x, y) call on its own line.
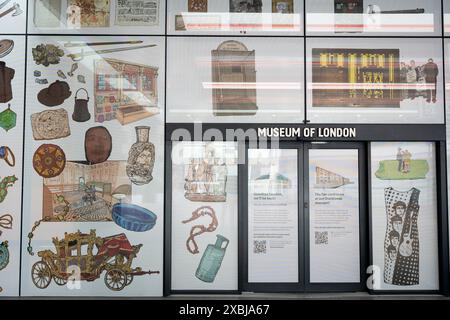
point(392, 252)
point(399, 159)
point(406, 161)
point(403, 71)
point(397, 223)
point(400, 209)
point(394, 237)
point(411, 78)
point(431, 71)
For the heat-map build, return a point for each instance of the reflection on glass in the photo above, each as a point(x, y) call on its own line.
point(227, 80)
point(272, 216)
point(377, 17)
point(370, 78)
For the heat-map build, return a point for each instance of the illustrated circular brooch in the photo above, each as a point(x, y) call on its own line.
point(49, 161)
point(4, 255)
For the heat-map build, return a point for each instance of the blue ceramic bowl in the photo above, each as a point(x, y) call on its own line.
point(133, 218)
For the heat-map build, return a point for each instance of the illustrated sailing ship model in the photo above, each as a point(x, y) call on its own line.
point(206, 179)
point(326, 179)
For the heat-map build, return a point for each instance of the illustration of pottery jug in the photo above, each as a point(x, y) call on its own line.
point(212, 259)
point(141, 158)
point(81, 110)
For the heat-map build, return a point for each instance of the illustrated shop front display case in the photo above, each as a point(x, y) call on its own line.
point(373, 18)
point(229, 80)
point(222, 17)
point(125, 91)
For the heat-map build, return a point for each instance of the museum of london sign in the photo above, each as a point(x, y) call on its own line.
point(306, 132)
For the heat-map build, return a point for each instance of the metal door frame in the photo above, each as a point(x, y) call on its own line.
point(303, 222)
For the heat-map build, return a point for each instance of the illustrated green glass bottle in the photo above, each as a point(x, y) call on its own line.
point(212, 259)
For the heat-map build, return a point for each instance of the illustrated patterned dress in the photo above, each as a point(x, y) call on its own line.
point(401, 267)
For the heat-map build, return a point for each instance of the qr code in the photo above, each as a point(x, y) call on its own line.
point(321, 237)
point(259, 246)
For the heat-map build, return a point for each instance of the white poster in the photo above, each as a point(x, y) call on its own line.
point(404, 216)
point(204, 216)
point(94, 169)
point(272, 216)
point(334, 216)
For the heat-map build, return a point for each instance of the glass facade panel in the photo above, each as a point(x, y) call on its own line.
point(204, 216)
point(232, 80)
point(404, 216)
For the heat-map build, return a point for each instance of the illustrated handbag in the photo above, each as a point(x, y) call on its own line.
point(50, 124)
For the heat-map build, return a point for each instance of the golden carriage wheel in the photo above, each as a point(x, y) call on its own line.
point(115, 279)
point(41, 275)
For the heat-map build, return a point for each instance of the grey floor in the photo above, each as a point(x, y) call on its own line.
point(309, 296)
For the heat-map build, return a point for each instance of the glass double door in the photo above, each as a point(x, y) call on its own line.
point(305, 218)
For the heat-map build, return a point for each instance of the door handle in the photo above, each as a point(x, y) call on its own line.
point(306, 205)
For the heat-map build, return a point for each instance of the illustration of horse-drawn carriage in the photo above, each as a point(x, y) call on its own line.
point(75, 260)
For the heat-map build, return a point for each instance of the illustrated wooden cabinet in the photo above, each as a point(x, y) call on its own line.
point(125, 91)
point(356, 78)
point(234, 80)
